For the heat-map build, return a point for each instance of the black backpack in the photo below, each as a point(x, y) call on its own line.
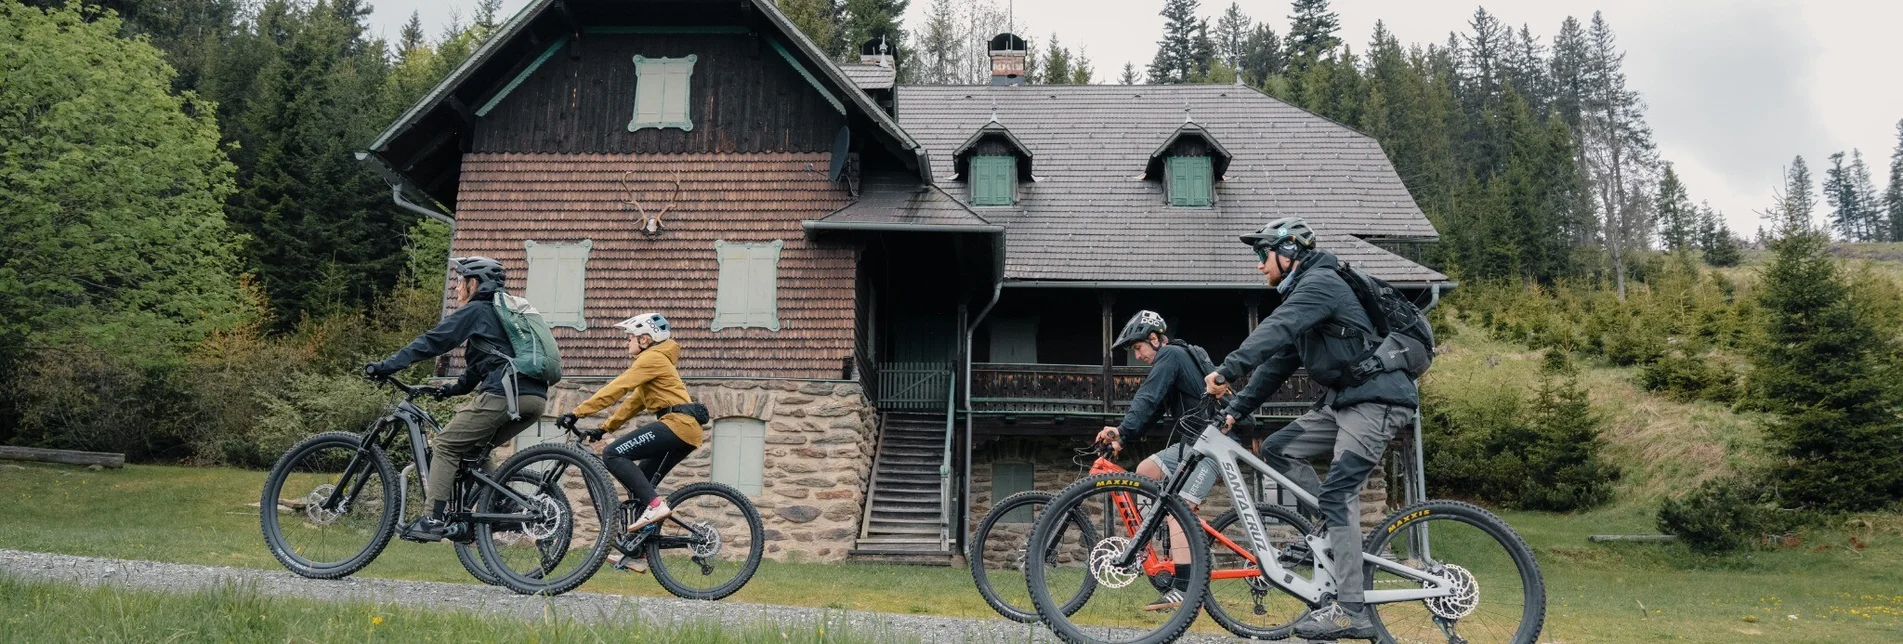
point(1402, 340)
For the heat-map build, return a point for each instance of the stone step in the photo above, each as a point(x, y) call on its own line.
point(941, 558)
point(880, 512)
point(909, 488)
point(913, 452)
point(884, 494)
point(909, 472)
point(886, 503)
point(931, 543)
point(908, 522)
point(877, 529)
point(912, 462)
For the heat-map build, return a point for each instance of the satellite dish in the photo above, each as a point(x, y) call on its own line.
point(842, 144)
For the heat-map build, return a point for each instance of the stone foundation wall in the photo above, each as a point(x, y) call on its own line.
point(815, 464)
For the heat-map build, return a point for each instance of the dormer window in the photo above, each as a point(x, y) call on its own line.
point(994, 180)
point(992, 162)
point(1188, 164)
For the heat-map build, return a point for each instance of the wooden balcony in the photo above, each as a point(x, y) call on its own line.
point(1002, 388)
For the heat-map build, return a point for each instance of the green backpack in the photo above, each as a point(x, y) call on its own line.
point(536, 355)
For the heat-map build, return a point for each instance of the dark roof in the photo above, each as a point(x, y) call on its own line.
point(1219, 155)
point(870, 76)
point(961, 157)
point(1077, 222)
point(888, 200)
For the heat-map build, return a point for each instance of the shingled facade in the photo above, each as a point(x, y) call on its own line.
point(895, 298)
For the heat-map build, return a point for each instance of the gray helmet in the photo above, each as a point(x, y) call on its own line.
point(1289, 236)
point(1139, 328)
point(486, 271)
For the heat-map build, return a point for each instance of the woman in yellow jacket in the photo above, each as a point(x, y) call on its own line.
point(643, 457)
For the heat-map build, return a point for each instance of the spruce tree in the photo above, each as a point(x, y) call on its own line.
point(1311, 34)
point(1796, 202)
point(1678, 219)
point(1568, 75)
point(1893, 195)
point(1202, 54)
point(1620, 152)
point(1874, 225)
point(1846, 215)
point(938, 50)
point(1715, 238)
point(1261, 56)
point(1838, 445)
point(1056, 69)
point(868, 20)
point(1081, 72)
point(1232, 35)
point(1176, 52)
point(1130, 75)
point(816, 19)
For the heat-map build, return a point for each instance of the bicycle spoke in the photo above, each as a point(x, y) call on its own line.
point(1492, 601)
point(1126, 604)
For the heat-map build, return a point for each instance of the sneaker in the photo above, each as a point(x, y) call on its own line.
point(1332, 622)
point(1170, 600)
point(636, 565)
point(654, 513)
point(426, 529)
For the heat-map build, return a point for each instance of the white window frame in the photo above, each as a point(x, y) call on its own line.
point(739, 455)
point(557, 281)
point(748, 292)
point(663, 93)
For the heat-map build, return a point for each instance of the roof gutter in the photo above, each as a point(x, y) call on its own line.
point(397, 182)
point(821, 225)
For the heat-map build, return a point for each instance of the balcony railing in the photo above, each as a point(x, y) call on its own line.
point(1061, 388)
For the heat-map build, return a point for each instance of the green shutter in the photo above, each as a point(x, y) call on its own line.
point(748, 291)
point(1190, 181)
point(662, 92)
point(1008, 478)
point(557, 274)
point(993, 180)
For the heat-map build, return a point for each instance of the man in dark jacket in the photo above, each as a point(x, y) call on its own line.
point(485, 420)
point(1322, 326)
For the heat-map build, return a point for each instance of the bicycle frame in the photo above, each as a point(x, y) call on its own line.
point(1154, 563)
point(1212, 443)
point(419, 424)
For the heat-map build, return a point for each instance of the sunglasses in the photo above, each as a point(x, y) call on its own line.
point(1262, 252)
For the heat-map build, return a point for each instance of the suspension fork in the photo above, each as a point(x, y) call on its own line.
point(1154, 522)
point(355, 473)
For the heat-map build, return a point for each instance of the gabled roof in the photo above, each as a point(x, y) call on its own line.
point(1075, 222)
point(423, 137)
point(1219, 155)
point(961, 157)
point(898, 202)
point(870, 76)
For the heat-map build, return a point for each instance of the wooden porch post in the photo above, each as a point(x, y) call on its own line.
point(1105, 299)
point(1253, 301)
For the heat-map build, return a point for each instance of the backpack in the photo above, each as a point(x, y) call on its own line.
point(1406, 339)
point(1245, 426)
point(536, 355)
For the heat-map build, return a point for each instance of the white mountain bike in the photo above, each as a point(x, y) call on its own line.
point(1443, 572)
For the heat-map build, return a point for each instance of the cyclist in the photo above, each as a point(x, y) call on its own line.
point(1174, 386)
point(487, 419)
point(1322, 326)
point(651, 384)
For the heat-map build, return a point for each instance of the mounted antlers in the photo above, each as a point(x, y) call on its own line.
point(650, 223)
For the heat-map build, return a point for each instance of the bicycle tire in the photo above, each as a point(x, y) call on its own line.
point(1533, 614)
point(601, 491)
point(470, 556)
point(1215, 609)
point(979, 541)
point(272, 529)
point(1072, 499)
point(756, 544)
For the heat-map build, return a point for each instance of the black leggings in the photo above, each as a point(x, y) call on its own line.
point(657, 449)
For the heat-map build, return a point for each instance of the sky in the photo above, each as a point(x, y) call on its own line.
point(1734, 88)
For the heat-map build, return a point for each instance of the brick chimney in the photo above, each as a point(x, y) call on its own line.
point(1007, 59)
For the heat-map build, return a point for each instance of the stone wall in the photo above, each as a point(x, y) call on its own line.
point(816, 462)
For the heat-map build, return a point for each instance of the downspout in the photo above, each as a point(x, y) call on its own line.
point(997, 289)
point(396, 195)
point(1419, 486)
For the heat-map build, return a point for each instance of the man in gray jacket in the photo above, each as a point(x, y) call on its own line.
point(1322, 326)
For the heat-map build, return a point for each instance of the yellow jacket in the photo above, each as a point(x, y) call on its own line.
point(651, 384)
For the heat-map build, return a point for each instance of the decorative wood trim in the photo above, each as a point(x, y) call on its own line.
point(662, 29)
point(517, 81)
point(834, 100)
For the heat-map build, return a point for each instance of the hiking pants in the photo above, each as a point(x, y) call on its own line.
point(1357, 436)
point(481, 423)
point(656, 448)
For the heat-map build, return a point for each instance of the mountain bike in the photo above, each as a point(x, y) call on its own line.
point(1427, 566)
point(1002, 580)
point(534, 525)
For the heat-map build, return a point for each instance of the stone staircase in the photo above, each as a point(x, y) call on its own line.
point(904, 519)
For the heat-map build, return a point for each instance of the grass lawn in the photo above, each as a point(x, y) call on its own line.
point(65, 613)
point(1840, 593)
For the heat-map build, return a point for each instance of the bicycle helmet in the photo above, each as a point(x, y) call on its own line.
point(648, 324)
point(1288, 236)
point(486, 271)
point(1139, 328)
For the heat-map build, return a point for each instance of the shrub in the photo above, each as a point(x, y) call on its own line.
point(1499, 447)
point(1688, 378)
point(312, 404)
point(1720, 516)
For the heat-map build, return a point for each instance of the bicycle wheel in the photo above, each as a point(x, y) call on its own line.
point(1250, 606)
point(1001, 548)
point(560, 520)
point(470, 554)
point(1499, 595)
point(711, 546)
point(313, 537)
point(1116, 610)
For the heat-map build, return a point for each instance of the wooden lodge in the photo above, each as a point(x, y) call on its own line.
point(895, 298)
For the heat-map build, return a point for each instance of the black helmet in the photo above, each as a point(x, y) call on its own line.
point(1289, 236)
point(486, 271)
point(1139, 328)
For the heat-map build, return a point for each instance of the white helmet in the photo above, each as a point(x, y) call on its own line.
point(648, 324)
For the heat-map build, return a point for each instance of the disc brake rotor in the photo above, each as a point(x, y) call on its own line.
point(1463, 596)
point(1103, 554)
point(314, 506)
point(706, 540)
point(548, 520)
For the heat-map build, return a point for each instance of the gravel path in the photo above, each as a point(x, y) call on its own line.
point(150, 575)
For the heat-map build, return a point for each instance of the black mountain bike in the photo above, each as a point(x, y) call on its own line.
point(707, 549)
point(536, 524)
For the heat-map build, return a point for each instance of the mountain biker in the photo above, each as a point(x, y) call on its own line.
point(1174, 385)
point(486, 419)
point(651, 384)
point(1322, 326)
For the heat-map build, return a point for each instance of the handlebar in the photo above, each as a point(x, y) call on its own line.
point(410, 392)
